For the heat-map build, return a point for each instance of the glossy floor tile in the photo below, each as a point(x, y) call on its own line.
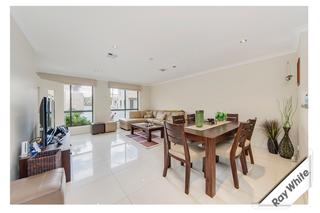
point(111, 168)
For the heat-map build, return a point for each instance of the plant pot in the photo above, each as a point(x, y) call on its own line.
point(286, 149)
point(272, 146)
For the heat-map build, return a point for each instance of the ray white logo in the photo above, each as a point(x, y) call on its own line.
point(292, 187)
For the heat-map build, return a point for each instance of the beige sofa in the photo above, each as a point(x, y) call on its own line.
point(154, 116)
point(44, 188)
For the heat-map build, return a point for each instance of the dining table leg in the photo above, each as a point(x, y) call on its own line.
point(210, 148)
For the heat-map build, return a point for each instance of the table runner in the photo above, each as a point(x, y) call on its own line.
point(208, 126)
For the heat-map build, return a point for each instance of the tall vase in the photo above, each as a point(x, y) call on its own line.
point(199, 118)
point(272, 146)
point(286, 149)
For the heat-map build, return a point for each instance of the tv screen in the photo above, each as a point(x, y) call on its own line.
point(47, 121)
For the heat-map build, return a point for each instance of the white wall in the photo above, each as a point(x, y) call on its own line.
point(302, 90)
point(23, 94)
point(101, 102)
point(252, 90)
point(144, 98)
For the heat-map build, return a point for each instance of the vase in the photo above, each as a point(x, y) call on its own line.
point(286, 149)
point(199, 118)
point(273, 146)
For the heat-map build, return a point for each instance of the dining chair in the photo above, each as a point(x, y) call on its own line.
point(234, 149)
point(176, 146)
point(232, 117)
point(178, 119)
point(247, 145)
point(191, 118)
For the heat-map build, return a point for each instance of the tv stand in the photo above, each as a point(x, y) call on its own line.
point(65, 158)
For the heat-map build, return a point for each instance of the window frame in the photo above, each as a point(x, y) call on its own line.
point(125, 109)
point(70, 111)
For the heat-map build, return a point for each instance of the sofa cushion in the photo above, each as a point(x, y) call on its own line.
point(135, 114)
point(148, 114)
point(136, 120)
point(161, 116)
point(155, 121)
point(176, 113)
point(44, 188)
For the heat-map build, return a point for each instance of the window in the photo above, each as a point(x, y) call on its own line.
point(123, 101)
point(78, 109)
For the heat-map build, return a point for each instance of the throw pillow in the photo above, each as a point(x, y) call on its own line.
point(148, 114)
point(161, 116)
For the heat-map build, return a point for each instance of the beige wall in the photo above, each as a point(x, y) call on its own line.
point(23, 94)
point(252, 90)
point(302, 113)
point(144, 98)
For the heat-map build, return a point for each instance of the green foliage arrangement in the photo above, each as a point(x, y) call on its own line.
point(271, 129)
point(287, 110)
point(221, 116)
point(77, 119)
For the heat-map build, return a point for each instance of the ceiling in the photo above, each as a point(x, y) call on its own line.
point(76, 40)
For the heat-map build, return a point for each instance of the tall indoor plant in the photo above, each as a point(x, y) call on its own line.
point(287, 110)
point(271, 129)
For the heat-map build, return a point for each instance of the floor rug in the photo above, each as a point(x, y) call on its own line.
point(141, 138)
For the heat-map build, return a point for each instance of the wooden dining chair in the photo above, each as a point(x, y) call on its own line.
point(232, 117)
point(176, 146)
point(233, 150)
point(178, 119)
point(247, 145)
point(191, 118)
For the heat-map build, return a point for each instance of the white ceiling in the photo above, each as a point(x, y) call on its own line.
point(76, 40)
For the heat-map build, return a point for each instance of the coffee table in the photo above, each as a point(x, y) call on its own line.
point(147, 129)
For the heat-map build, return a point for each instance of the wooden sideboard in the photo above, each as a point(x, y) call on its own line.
point(65, 159)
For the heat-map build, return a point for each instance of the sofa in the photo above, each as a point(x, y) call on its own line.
point(44, 188)
point(152, 116)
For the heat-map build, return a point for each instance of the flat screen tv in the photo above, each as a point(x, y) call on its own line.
point(47, 123)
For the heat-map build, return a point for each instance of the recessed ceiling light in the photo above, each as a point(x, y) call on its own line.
point(174, 66)
point(151, 59)
point(243, 41)
point(162, 69)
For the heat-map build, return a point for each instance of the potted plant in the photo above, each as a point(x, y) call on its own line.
point(287, 111)
point(271, 129)
point(221, 116)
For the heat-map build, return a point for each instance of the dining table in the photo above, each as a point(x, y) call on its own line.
point(209, 137)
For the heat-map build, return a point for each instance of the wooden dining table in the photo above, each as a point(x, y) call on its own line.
point(210, 137)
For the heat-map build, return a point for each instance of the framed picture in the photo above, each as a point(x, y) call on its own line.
point(298, 72)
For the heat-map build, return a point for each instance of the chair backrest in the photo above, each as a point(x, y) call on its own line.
point(191, 118)
point(252, 123)
point(178, 119)
point(240, 138)
point(232, 117)
point(174, 133)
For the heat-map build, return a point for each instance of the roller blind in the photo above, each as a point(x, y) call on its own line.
point(118, 85)
point(67, 79)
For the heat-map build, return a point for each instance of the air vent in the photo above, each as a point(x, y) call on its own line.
point(111, 55)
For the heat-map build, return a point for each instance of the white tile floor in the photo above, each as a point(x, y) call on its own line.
point(114, 169)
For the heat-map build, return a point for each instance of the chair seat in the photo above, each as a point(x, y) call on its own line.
point(247, 143)
point(195, 151)
point(224, 148)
